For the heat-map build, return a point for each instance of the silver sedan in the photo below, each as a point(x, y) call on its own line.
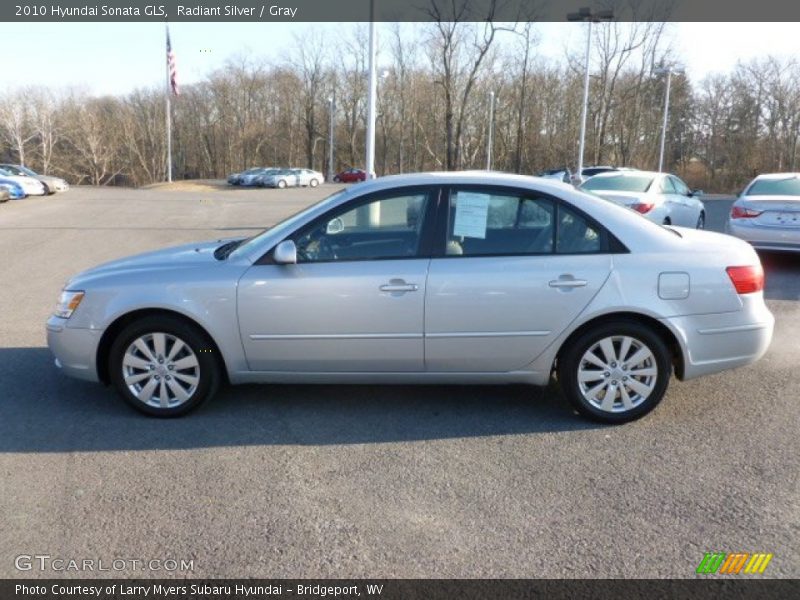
point(767, 213)
point(471, 278)
point(660, 197)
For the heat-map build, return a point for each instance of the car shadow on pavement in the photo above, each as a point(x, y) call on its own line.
point(42, 410)
point(782, 275)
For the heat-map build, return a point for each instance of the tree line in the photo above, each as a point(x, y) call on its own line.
point(432, 112)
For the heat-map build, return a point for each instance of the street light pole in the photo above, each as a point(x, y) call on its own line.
point(331, 107)
point(668, 71)
point(585, 14)
point(490, 140)
point(373, 92)
point(585, 104)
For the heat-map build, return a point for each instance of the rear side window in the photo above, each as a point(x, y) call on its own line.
point(575, 234)
point(666, 186)
point(486, 224)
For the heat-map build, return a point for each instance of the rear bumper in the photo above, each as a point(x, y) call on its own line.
point(718, 342)
point(75, 349)
point(765, 237)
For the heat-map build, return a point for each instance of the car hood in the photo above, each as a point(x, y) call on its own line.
point(185, 256)
point(48, 179)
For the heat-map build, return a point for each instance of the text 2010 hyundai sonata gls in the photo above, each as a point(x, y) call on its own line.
point(429, 278)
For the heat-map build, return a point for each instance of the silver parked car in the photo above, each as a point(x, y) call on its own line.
point(471, 278)
point(767, 213)
point(293, 178)
point(660, 197)
point(50, 183)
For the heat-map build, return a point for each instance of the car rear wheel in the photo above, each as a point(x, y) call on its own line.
point(616, 372)
point(337, 179)
point(313, 183)
point(163, 366)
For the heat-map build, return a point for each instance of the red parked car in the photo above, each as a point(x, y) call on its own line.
point(351, 176)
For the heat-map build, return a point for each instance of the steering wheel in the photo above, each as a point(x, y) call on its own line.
point(325, 251)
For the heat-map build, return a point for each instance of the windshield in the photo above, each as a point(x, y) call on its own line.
point(618, 183)
point(287, 223)
point(775, 187)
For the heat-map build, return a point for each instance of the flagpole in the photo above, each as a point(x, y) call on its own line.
point(169, 110)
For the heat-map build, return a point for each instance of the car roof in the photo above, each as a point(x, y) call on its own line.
point(459, 177)
point(770, 175)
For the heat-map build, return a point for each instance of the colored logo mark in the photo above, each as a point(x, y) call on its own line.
point(733, 564)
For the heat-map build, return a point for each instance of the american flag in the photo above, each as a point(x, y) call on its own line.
point(173, 70)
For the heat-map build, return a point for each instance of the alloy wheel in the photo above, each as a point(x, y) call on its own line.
point(617, 374)
point(161, 370)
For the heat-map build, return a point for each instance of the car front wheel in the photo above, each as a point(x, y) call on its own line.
point(313, 183)
point(163, 366)
point(616, 372)
point(282, 184)
point(701, 221)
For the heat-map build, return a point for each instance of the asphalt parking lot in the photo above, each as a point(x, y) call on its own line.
point(372, 481)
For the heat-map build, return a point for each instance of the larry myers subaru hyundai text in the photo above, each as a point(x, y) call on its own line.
point(468, 277)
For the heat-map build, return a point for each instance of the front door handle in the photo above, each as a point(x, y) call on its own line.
point(568, 283)
point(398, 285)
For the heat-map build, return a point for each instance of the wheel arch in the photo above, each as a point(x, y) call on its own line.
point(665, 333)
point(111, 332)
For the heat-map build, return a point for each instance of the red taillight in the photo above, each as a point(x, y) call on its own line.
point(747, 280)
point(737, 212)
point(643, 207)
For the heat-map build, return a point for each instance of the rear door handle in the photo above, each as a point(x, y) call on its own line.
point(568, 283)
point(399, 286)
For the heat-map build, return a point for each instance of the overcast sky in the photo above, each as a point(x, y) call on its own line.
point(114, 58)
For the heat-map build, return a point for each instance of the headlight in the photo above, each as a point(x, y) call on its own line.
point(67, 303)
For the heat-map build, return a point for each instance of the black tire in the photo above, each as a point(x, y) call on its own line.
point(47, 190)
point(313, 183)
point(193, 338)
point(336, 179)
point(570, 364)
point(701, 221)
point(282, 184)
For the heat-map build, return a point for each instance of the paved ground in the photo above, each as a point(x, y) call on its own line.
point(318, 481)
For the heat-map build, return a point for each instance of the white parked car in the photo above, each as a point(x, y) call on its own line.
point(470, 278)
point(662, 198)
point(767, 213)
point(31, 186)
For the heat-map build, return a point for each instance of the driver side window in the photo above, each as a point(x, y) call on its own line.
point(385, 228)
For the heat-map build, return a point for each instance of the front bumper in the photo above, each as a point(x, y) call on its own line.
point(75, 349)
point(718, 342)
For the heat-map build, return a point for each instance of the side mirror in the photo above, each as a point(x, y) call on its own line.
point(334, 226)
point(285, 253)
point(696, 193)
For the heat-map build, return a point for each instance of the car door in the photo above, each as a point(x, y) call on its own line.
point(354, 302)
point(516, 268)
point(690, 206)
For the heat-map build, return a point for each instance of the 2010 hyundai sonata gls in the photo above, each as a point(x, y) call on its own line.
point(429, 278)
